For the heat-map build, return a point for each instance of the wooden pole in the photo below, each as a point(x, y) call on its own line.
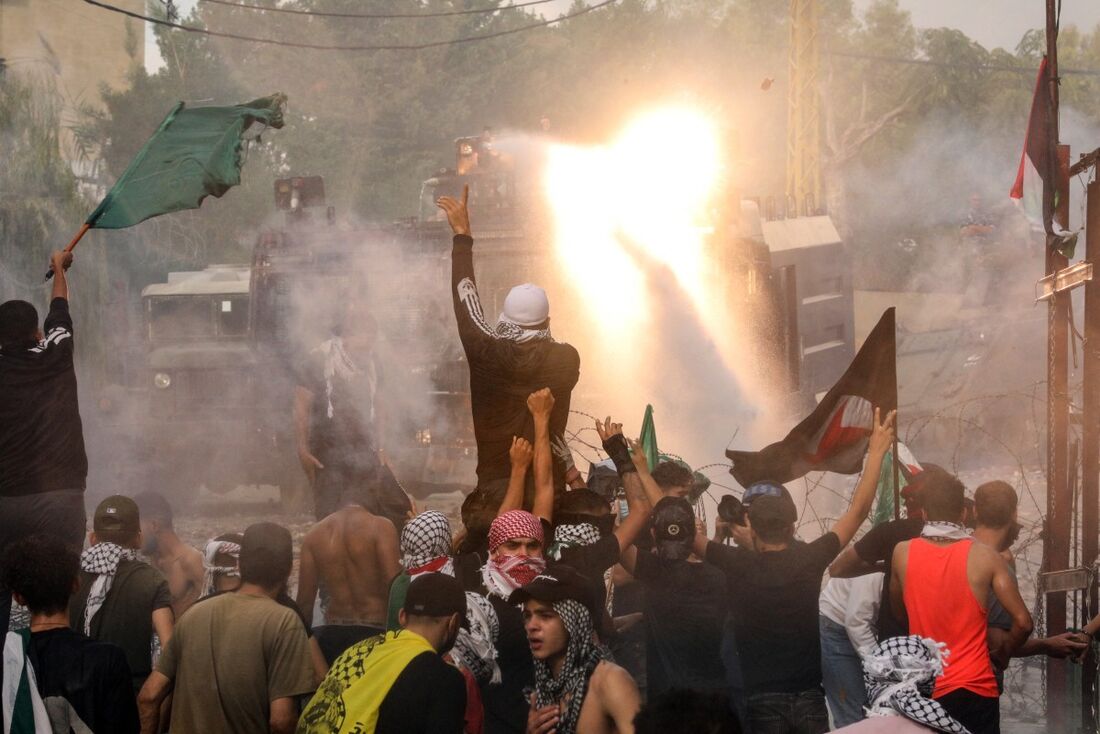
point(1090, 431)
point(72, 244)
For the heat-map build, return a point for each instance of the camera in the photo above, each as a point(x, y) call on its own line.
point(731, 510)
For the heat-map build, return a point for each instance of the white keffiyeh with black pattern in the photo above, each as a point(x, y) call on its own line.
point(582, 655)
point(900, 674)
point(102, 559)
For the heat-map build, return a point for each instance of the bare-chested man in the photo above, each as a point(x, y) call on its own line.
point(181, 564)
point(351, 555)
point(577, 688)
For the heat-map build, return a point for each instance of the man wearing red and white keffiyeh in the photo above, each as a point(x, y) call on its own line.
point(426, 545)
point(515, 553)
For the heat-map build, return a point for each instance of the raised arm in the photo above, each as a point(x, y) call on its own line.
point(541, 404)
point(631, 472)
point(882, 438)
point(850, 564)
point(60, 262)
point(521, 454)
point(473, 330)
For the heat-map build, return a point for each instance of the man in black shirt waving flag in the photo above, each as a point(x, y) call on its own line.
point(43, 466)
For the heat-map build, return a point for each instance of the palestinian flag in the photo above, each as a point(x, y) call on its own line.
point(908, 468)
point(834, 436)
point(1035, 190)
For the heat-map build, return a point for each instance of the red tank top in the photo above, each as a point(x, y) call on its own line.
point(942, 607)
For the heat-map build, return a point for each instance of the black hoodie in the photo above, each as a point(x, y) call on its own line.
point(503, 373)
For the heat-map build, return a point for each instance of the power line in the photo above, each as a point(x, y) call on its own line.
point(321, 47)
point(320, 14)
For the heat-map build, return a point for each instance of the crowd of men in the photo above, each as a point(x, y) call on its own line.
point(554, 609)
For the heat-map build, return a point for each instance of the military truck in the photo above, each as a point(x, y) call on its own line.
point(210, 416)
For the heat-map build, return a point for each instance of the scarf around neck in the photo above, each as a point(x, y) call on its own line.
point(506, 574)
point(577, 536)
point(513, 332)
point(102, 559)
point(582, 656)
point(475, 648)
point(941, 530)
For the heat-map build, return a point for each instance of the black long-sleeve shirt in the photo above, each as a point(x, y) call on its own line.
point(41, 436)
point(503, 373)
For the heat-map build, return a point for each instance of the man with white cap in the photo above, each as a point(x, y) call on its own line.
point(507, 362)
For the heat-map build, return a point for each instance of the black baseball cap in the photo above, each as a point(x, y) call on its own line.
point(435, 595)
point(772, 511)
point(117, 513)
point(557, 583)
point(673, 520)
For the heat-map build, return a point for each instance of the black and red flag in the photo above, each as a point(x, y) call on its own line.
point(1035, 190)
point(834, 436)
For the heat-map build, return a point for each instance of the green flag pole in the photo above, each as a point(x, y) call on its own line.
point(83, 230)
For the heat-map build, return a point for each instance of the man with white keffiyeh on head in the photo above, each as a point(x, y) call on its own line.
point(222, 562)
point(507, 361)
point(577, 687)
point(121, 599)
point(900, 674)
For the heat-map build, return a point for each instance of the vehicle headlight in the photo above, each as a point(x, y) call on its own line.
point(424, 437)
point(162, 380)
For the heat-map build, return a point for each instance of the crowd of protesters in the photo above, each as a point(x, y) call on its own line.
point(523, 619)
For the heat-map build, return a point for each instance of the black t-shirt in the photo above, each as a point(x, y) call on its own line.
point(428, 697)
point(349, 432)
point(77, 675)
point(503, 373)
point(877, 546)
point(505, 706)
point(41, 436)
point(126, 617)
point(685, 609)
point(773, 599)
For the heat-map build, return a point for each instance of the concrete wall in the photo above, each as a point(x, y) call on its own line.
point(78, 45)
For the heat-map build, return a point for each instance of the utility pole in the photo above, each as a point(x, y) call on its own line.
point(1059, 503)
point(803, 111)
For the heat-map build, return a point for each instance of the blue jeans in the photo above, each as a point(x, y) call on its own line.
point(788, 713)
point(842, 674)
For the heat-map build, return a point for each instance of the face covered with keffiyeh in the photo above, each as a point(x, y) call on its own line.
point(426, 544)
point(515, 548)
point(900, 674)
point(560, 637)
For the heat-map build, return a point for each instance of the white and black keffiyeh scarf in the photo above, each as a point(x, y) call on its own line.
point(581, 534)
point(572, 536)
point(941, 530)
point(581, 658)
point(102, 559)
point(425, 540)
point(211, 571)
point(339, 364)
point(475, 648)
point(900, 674)
point(513, 332)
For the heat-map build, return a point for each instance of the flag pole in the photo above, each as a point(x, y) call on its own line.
point(894, 463)
point(72, 244)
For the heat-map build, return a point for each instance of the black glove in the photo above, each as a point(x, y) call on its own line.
point(619, 453)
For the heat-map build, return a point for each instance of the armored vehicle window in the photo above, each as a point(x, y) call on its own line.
point(172, 319)
point(232, 316)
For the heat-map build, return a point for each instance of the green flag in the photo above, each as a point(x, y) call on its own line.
point(884, 494)
point(194, 153)
point(649, 439)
